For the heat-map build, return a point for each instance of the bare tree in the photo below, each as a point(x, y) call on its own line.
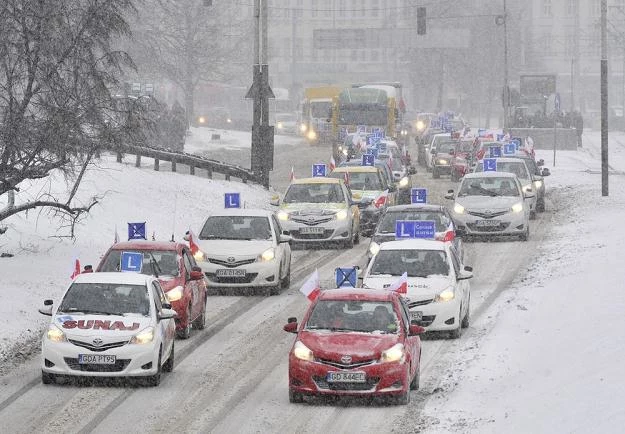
point(187, 42)
point(57, 67)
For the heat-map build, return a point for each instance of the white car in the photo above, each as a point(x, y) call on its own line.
point(492, 204)
point(244, 248)
point(109, 325)
point(439, 294)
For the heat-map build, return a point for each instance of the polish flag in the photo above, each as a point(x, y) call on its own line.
point(192, 239)
point(292, 176)
point(379, 201)
point(76, 271)
point(390, 161)
point(332, 164)
point(311, 288)
point(400, 285)
point(346, 177)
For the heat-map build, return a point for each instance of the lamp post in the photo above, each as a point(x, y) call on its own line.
point(503, 20)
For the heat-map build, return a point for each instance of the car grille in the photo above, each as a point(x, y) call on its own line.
point(370, 384)
point(490, 215)
point(346, 366)
point(426, 320)
point(420, 303)
point(308, 222)
point(486, 229)
point(99, 348)
point(118, 366)
point(298, 236)
point(248, 278)
point(231, 264)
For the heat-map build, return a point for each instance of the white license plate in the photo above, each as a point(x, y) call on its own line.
point(345, 377)
point(98, 359)
point(312, 230)
point(416, 315)
point(234, 272)
point(487, 223)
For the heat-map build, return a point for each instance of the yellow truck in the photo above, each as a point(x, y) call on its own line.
point(316, 112)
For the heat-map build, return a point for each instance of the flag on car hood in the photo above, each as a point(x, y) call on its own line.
point(311, 288)
point(332, 164)
point(76, 271)
point(381, 199)
point(292, 175)
point(400, 285)
point(193, 240)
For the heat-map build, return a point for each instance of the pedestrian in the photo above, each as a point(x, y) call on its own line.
point(578, 124)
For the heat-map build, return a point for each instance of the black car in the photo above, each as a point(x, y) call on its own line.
point(404, 185)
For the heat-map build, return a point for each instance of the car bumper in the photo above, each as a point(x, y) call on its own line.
point(510, 224)
point(256, 274)
point(443, 169)
point(332, 231)
point(131, 360)
point(439, 316)
point(369, 219)
point(381, 379)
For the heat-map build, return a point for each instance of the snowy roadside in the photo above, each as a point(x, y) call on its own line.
point(548, 355)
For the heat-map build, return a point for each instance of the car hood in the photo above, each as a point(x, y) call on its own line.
point(360, 346)
point(365, 195)
point(234, 247)
point(481, 203)
point(419, 288)
point(170, 282)
point(109, 328)
point(313, 208)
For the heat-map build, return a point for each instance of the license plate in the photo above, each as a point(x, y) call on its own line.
point(234, 272)
point(345, 377)
point(487, 223)
point(312, 230)
point(98, 359)
point(416, 315)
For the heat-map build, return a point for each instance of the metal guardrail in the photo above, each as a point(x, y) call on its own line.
point(193, 161)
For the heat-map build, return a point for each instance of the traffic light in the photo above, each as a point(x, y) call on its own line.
point(421, 21)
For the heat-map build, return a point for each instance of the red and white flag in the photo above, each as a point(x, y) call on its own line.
point(400, 285)
point(77, 270)
point(379, 201)
point(292, 176)
point(346, 177)
point(332, 164)
point(192, 239)
point(390, 161)
point(311, 288)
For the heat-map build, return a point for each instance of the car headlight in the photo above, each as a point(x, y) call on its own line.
point(279, 125)
point(55, 334)
point(374, 248)
point(267, 255)
point(446, 295)
point(311, 135)
point(303, 128)
point(341, 214)
point(283, 215)
point(201, 120)
point(345, 152)
point(302, 352)
point(420, 125)
point(517, 207)
point(393, 354)
point(199, 255)
point(458, 209)
point(229, 120)
point(404, 132)
point(538, 183)
point(441, 161)
point(404, 181)
point(145, 336)
point(175, 294)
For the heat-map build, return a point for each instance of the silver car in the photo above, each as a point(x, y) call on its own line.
point(492, 204)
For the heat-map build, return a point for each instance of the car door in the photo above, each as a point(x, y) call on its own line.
point(351, 205)
point(165, 329)
point(411, 342)
point(283, 250)
point(461, 285)
point(191, 286)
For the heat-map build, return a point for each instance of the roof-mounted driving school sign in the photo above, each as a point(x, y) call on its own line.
point(319, 170)
point(415, 229)
point(232, 200)
point(509, 148)
point(346, 277)
point(490, 164)
point(418, 195)
point(136, 231)
point(494, 151)
point(368, 160)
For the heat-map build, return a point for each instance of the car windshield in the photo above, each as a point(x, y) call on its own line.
point(155, 262)
point(446, 147)
point(286, 118)
point(416, 263)
point(395, 161)
point(354, 316)
point(105, 299)
point(516, 167)
point(387, 223)
point(314, 193)
point(488, 186)
point(236, 228)
point(361, 180)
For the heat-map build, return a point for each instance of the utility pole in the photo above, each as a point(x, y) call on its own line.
point(604, 99)
point(506, 87)
point(262, 133)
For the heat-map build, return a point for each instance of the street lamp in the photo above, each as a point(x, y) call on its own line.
point(501, 20)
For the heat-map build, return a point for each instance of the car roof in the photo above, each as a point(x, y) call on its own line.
point(415, 207)
point(346, 294)
point(114, 277)
point(317, 180)
point(246, 212)
point(510, 160)
point(147, 245)
point(357, 169)
point(413, 244)
point(489, 175)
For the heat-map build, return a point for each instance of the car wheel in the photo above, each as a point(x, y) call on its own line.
point(467, 316)
point(169, 364)
point(285, 283)
point(47, 378)
point(155, 379)
point(200, 322)
point(295, 397)
point(532, 215)
point(435, 173)
point(349, 243)
point(540, 206)
point(414, 384)
point(454, 176)
point(526, 235)
point(456, 333)
point(357, 237)
point(186, 331)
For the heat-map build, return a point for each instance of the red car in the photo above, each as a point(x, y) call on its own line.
point(355, 342)
point(180, 277)
point(462, 158)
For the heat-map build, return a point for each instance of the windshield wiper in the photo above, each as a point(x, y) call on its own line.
point(96, 312)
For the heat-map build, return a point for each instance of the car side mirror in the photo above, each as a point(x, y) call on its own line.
point(415, 329)
point(412, 170)
point(449, 195)
point(464, 275)
point(540, 162)
point(285, 238)
point(166, 306)
point(275, 200)
point(291, 326)
point(196, 275)
point(528, 194)
point(167, 314)
point(392, 188)
point(452, 152)
point(47, 308)
point(545, 172)
point(432, 151)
